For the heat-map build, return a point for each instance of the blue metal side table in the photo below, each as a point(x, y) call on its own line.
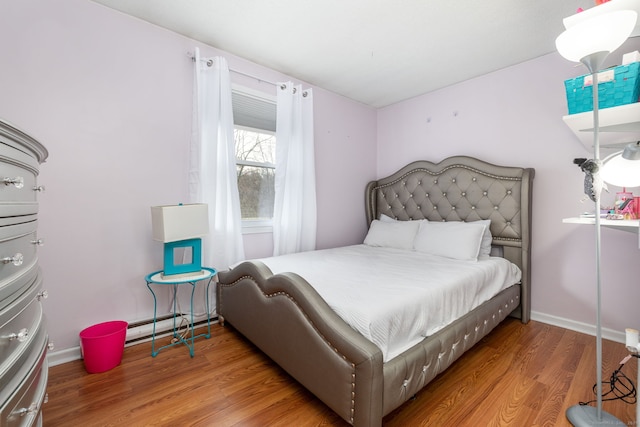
point(156, 279)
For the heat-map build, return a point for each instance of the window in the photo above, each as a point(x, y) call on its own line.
point(255, 160)
point(254, 117)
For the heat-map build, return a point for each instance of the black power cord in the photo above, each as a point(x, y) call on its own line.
point(620, 386)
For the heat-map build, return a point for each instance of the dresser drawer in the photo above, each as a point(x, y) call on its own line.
point(20, 323)
point(15, 376)
point(17, 212)
point(18, 175)
point(12, 289)
point(18, 139)
point(23, 407)
point(18, 249)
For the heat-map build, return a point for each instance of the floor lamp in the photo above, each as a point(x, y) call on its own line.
point(590, 41)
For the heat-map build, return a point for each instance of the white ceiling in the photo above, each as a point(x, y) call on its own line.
point(377, 52)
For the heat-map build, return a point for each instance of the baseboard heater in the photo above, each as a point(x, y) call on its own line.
point(139, 332)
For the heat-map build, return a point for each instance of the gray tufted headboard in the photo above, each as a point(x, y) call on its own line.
point(463, 188)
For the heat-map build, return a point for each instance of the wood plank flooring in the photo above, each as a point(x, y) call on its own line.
point(520, 375)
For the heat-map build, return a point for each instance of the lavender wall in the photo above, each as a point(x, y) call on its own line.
point(514, 117)
point(110, 97)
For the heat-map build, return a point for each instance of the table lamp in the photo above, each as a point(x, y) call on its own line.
point(180, 227)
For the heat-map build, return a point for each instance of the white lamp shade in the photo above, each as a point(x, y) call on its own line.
point(621, 172)
point(602, 33)
point(179, 222)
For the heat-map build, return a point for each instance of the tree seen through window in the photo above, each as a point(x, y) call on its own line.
point(255, 161)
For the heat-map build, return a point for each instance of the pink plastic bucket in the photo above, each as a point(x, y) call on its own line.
point(102, 345)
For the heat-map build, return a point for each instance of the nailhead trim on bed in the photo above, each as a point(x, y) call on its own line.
point(407, 386)
point(292, 299)
point(424, 371)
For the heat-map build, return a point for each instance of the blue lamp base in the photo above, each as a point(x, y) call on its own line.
point(176, 268)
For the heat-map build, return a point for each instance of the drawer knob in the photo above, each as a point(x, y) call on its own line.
point(42, 295)
point(38, 242)
point(39, 188)
point(16, 260)
point(32, 409)
point(21, 336)
point(17, 182)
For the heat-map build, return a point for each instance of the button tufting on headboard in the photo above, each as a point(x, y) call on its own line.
point(466, 194)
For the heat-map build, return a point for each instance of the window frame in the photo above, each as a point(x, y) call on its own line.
point(251, 226)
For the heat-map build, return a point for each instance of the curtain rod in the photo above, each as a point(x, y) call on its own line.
point(209, 63)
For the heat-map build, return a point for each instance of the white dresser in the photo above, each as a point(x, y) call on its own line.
point(23, 336)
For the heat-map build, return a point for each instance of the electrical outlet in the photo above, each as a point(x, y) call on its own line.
point(632, 337)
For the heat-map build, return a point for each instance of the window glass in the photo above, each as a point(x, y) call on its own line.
point(255, 161)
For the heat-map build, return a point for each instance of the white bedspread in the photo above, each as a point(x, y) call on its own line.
point(395, 297)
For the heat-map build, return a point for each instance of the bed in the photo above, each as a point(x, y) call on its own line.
point(285, 317)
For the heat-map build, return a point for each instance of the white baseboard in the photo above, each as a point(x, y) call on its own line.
point(135, 335)
point(585, 328)
point(142, 334)
point(63, 356)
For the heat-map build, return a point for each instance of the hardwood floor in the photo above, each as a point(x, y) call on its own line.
point(520, 375)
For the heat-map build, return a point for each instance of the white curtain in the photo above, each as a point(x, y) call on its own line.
point(294, 218)
point(212, 170)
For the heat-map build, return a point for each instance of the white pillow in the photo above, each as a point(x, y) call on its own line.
point(392, 234)
point(487, 239)
point(386, 218)
point(453, 239)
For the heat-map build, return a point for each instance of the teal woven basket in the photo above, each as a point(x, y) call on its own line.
point(623, 89)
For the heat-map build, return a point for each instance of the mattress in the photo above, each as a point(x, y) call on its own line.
point(394, 297)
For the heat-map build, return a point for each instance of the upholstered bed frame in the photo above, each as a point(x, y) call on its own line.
point(287, 319)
